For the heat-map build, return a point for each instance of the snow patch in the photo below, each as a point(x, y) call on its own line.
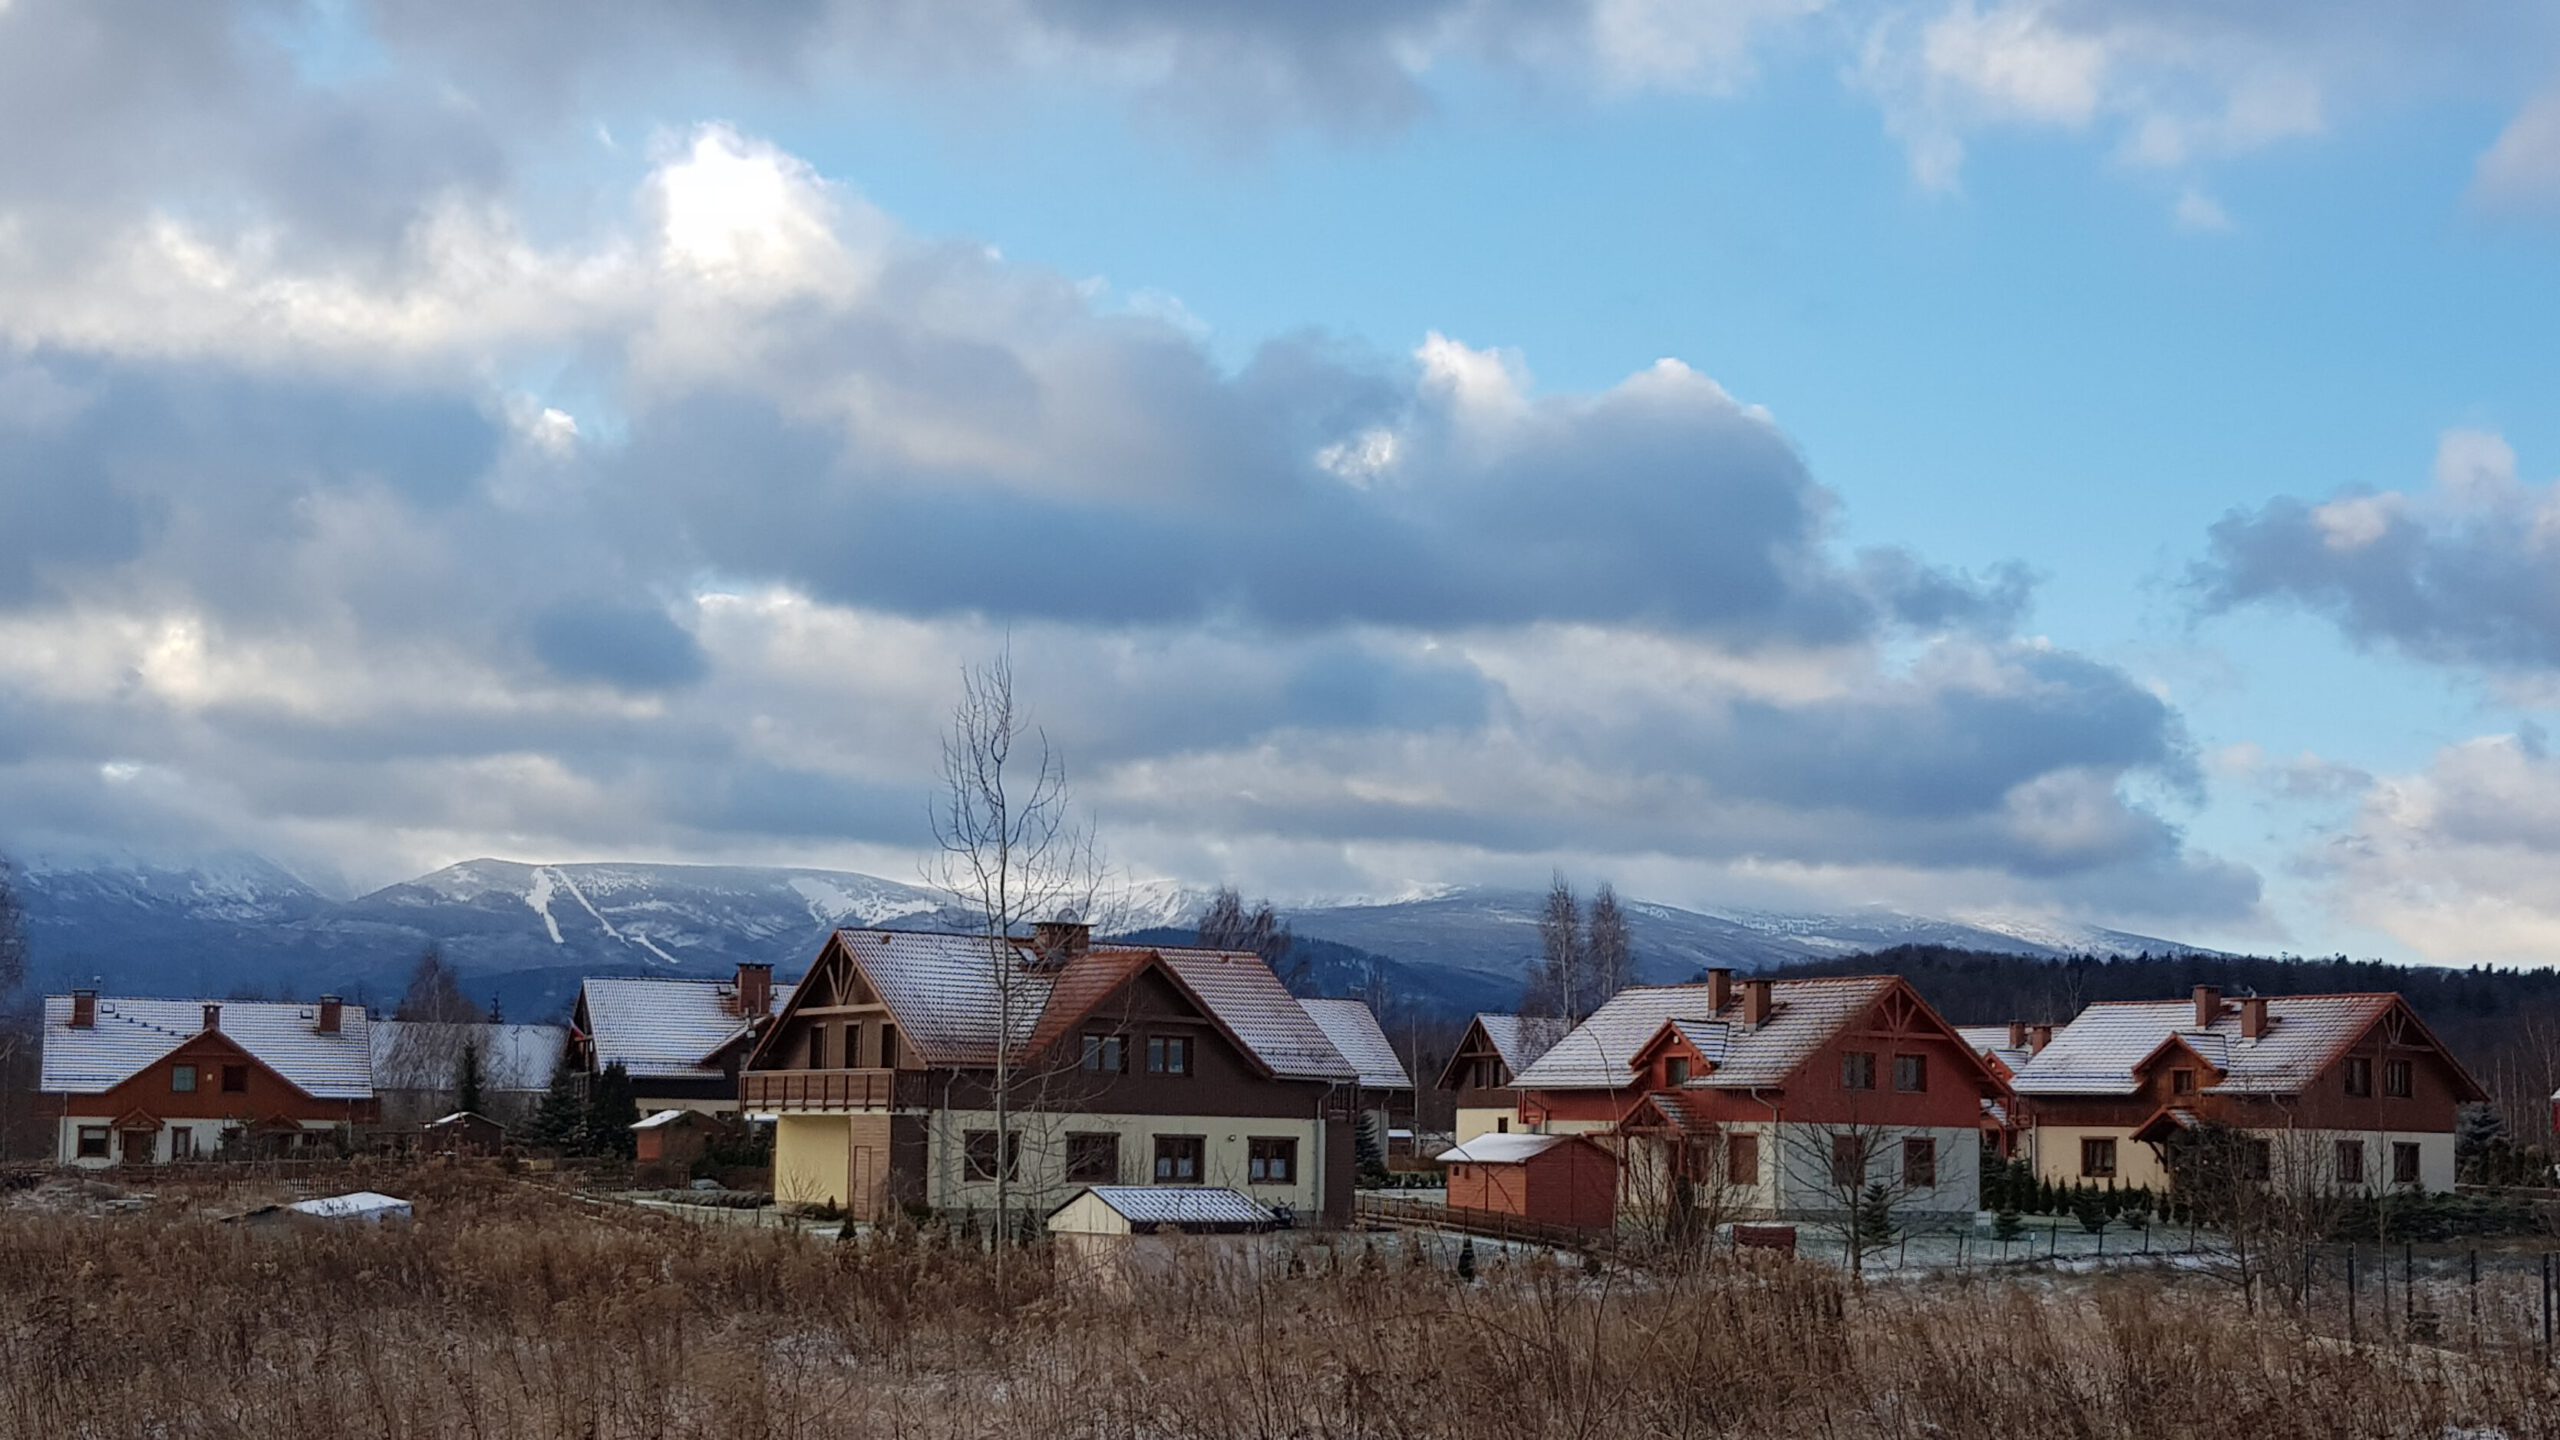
point(538, 895)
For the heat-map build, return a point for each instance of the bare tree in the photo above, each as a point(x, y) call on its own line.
point(435, 992)
point(2274, 1192)
point(18, 1024)
point(1609, 951)
point(1858, 1177)
point(1558, 987)
point(1011, 854)
point(1229, 925)
point(13, 933)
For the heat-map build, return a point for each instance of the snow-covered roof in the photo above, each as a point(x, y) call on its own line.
point(456, 1118)
point(1521, 1039)
point(664, 1029)
point(942, 988)
point(424, 1055)
point(2097, 1053)
point(132, 1034)
point(1993, 1040)
point(356, 1205)
point(1803, 1014)
point(661, 1119)
point(1354, 1030)
point(1500, 1149)
point(1180, 1205)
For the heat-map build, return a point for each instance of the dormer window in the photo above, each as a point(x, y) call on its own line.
point(2359, 1075)
point(2397, 1079)
point(2182, 1082)
point(1675, 1070)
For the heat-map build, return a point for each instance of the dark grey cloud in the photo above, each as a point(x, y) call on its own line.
point(634, 647)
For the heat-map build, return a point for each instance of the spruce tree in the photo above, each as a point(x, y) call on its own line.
point(559, 1122)
point(1467, 1259)
point(467, 1079)
point(611, 1112)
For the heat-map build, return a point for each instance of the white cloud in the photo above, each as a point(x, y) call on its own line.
point(2521, 170)
point(2200, 212)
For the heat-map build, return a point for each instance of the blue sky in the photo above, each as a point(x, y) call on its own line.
point(738, 333)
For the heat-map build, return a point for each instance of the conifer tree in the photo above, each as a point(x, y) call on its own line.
point(611, 1112)
point(467, 1079)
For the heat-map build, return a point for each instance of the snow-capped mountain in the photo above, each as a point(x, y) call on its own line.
point(525, 932)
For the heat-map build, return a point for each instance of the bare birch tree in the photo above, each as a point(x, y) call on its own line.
point(1609, 951)
point(1012, 854)
point(18, 1024)
point(1557, 989)
point(1228, 924)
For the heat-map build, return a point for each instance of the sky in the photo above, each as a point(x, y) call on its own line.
point(2069, 459)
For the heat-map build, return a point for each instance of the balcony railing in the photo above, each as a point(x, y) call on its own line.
point(774, 1090)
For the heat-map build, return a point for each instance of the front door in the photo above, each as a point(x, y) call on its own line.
point(862, 1184)
point(139, 1146)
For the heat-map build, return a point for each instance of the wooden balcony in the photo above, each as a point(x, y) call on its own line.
point(771, 1091)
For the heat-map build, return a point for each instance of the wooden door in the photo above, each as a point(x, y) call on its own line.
point(862, 1185)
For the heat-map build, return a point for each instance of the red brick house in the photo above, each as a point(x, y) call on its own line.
point(1770, 1097)
point(148, 1082)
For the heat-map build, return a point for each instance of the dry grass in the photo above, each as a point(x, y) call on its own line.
point(507, 1311)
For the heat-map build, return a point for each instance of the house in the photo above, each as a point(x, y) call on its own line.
point(1122, 1065)
point(2006, 1049)
point(1770, 1097)
point(1384, 1084)
point(2358, 1090)
point(464, 1132)
point(681, 1041)
point(1567, 1180)
point(1493, 1050)
point(147, 1082)
point(417, 1065)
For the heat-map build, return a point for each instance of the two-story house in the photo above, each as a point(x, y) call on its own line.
point(2340, 1091)
point(148, 1082)
point(1122, 1066)
point(682, 1042)
point(1494, 1049)
point(1771, 1097)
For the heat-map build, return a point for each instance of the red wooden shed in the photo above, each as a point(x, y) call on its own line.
point(1549, 1179)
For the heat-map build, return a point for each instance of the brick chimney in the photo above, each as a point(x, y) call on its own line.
point(1757, 1002)
point(331, 1012)
point(212, 1016)
point(2208, 1006)
point(84, 1009)
point(2038, 1037)
point(2253, 1018)
point(1719, 988)
point(1057, 941)
point(2017, 1034)
point(755, 990)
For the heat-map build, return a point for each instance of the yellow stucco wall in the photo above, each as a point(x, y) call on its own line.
point(1485, 1120)
point(1041, 1181)
point(810, 1156)
point(2056, 1152)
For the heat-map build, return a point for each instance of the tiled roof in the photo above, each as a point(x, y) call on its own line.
point(1353, 1028)
point(423, 1055)
point(1500, 1149)
point(1708, 1037)
point(663, 1029)
point(2096, 1053)
point(1993, 1040)
point(943, 990)
point(132, 1034)
point(1803, 1014)
point(1521, 1039)
point(1180, 1205)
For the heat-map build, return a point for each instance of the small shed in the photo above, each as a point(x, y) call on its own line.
point(1109, 1235)
point(672, 1137)
point(1546, 1179)
point(464, 1132)
point(359, 1207)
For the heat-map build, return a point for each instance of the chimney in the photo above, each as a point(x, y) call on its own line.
point(1756, 1003)
point(2253, 1018)
point(755, 990)
point(330, 1011)
point(1060, 940)
point(2017, 1034)
point(212, 1016)
point(2208, 1006)
point(2038, 1037)
point(84, 1009)
point(1719, 988)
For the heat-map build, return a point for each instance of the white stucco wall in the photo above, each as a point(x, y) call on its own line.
point(207, 1132)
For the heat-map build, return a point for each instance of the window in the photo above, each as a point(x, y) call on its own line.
point(182, 1079)
point(1858, 1070)
point(1675, 1070)
point(1271, 1160)
point(1920, 1163)
point(2182, 1082)
point(2359, 1075)
point(2097, 1158)
point(1105, 1054)
point(1848, 1160)
point(1178, 1159)
point(235, 1079)
point(93, 1142)
point(1502, 1125)
point(1910, 1073)
point(888, 1046)
point(1168, 1054)
point(980, 1146)
point(1742, 1159)
point(2396, 1078)
point(2350, 1162)
point(2404, 1162)
point(1093, 1157)
point(182, 1143)
point(817, 1047)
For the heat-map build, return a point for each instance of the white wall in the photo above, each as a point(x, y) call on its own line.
point(1041, 1181)
point(207, 1131)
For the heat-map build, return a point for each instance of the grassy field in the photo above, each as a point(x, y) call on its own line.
point(508, 1310)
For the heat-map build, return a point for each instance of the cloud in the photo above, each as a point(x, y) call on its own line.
point(664, 529)
point(2521, 170)
point(2457, 573)
point(2460, 861)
